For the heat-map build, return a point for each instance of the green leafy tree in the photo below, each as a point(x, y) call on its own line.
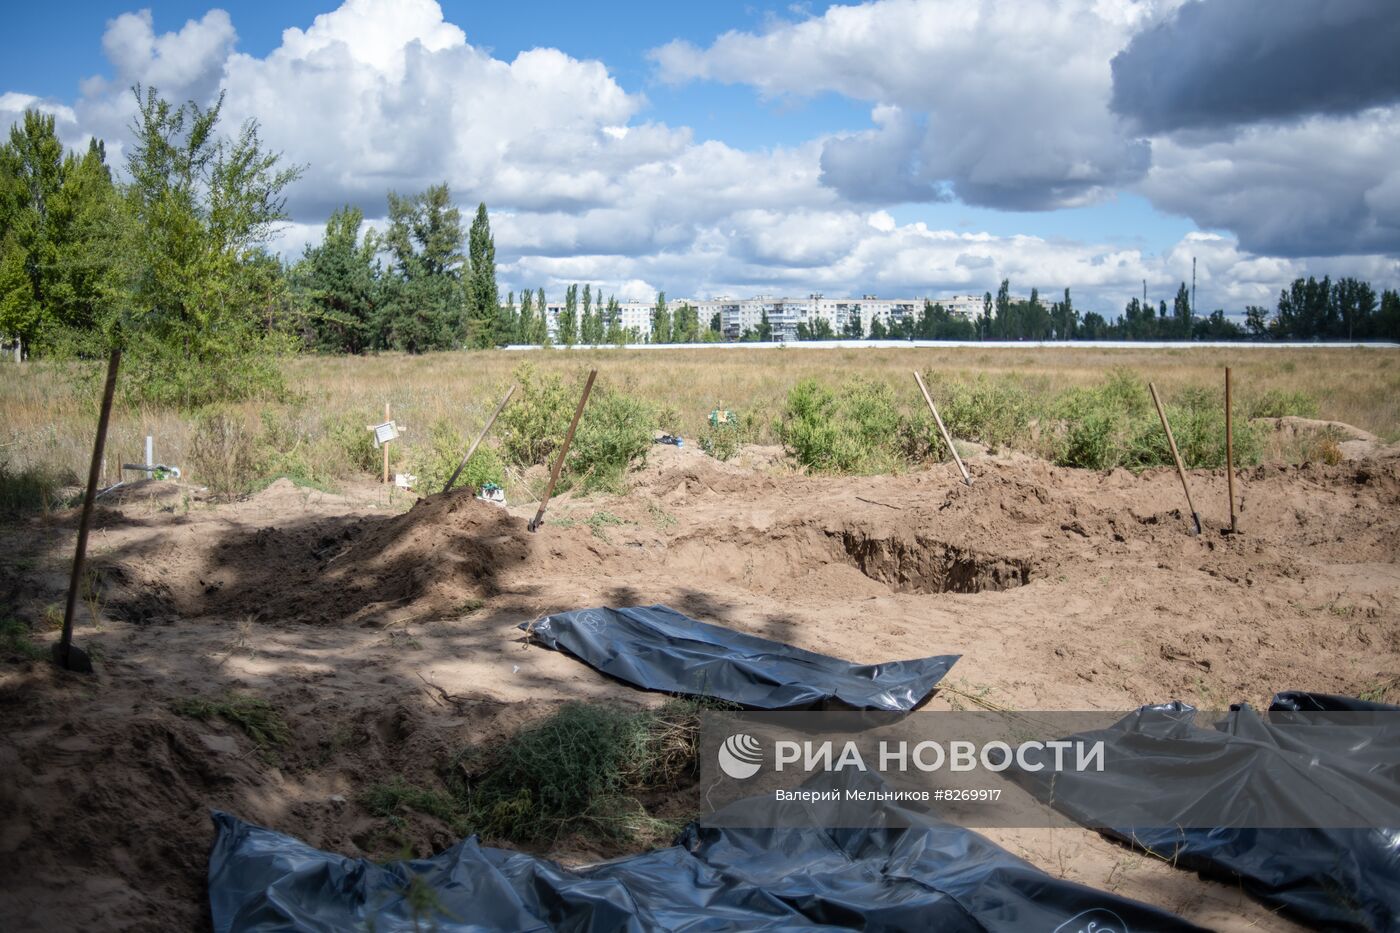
point(426, 304)
point(483, 299)
point(1181, 313)
point(1065, 318)
point(567, 332)
point(685, 328)
point(539, 323)
point(202, 300)
point(765, 326)
point(58, 220)
point(660, 320)
point(338, 286)
point(852, 328)
point(525, 323)
point(508, 322)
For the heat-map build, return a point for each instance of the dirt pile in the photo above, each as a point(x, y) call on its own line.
point(443, 555)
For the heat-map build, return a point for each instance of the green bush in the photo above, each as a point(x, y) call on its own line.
point(433, 461)
point(223, 453)
point(1278, 403)
point(347, 441)
point(720, 441)
point(857, 429)
point(616, 430)
point(1115, 424)
point(994, 412)
point(533, 425)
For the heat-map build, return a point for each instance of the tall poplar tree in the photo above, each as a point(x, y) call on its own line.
point(483, 300)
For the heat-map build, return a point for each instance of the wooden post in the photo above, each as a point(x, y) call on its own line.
point(386, 445)
point(1180, 470)
point(538, 520)
point(941, 429)
point(1230, 451)
point(480, 437)
point(64, 653)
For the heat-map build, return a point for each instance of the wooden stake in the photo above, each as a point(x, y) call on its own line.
point(386, 445)
point(64, 653)
point(538, 520)
point(1230, 451)
point(480, 437)
point(941, 429)
point(1180, 470)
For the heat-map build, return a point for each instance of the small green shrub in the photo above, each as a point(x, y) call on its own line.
point(223, 453)
point(434, 461)
point(615, 432)
point(856, 429)
point(283, 449)
point(1278, 403)
point(347, 441)
point(720, 441)
point(994, 412)
point(533, 425)
point(1115, 424)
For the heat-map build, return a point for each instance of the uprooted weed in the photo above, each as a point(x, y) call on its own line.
point(260, 720)
point(581, 770)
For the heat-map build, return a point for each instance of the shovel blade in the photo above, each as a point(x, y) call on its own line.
point(74, 659)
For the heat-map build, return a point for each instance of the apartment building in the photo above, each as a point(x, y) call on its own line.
point(739, 316)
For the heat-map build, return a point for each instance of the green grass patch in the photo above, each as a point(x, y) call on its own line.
point(1278, 403)
point(260, 720)
point(600, 522)
point(394, 799)
point(15, 641)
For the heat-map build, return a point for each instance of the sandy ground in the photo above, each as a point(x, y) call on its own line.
point(388, 638)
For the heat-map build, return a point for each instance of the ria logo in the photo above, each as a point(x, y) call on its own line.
point(740, 756)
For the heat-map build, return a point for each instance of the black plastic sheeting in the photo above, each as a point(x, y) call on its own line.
point(1333, 879)
point(657, 648)
point(933, 876)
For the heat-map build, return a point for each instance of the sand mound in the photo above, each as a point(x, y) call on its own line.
point(443, 554)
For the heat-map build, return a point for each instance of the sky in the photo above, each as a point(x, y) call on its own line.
point(896, 147)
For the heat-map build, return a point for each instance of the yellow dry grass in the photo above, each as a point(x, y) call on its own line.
point(48, 419)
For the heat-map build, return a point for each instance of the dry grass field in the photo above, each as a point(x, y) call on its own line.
point(49, 408)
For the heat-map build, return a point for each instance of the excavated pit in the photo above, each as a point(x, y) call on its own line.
point(920, 564)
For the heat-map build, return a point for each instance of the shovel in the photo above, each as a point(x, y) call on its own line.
point(66, 654)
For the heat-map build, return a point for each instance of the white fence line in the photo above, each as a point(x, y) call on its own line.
point(984, 344)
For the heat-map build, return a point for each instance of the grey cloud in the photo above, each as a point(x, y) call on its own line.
point(1222, 62)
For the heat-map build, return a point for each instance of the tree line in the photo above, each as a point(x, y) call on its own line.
point(173, 261)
